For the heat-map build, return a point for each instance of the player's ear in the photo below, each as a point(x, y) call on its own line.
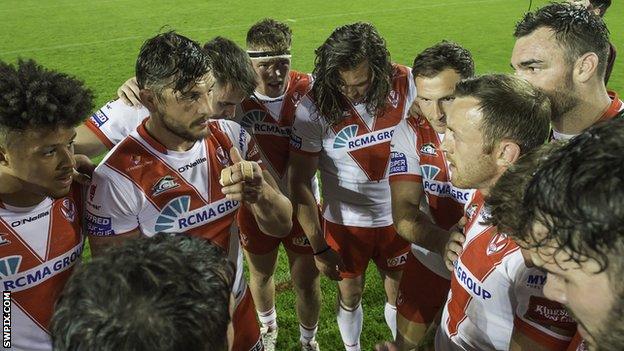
point(149, 99)
point(586, 67)
point(507, 153)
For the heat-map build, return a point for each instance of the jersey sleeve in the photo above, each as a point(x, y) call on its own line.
point(115, 121)
point(308, 129)
point(404, 161)
point(546, 322)
point(242, 140)
point(112, 206)
point(411, 93)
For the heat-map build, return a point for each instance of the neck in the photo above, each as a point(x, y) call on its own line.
point(163, 135)
point(592, 105)
point(489, 184)
point(15, 192)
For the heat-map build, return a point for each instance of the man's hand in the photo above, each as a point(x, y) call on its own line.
point(330, 264)
point(243, 180)
point(454, 246)
point(129, 93)
point(83, 170)
point(386, 346)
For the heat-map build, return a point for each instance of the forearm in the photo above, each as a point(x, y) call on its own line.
point(306, 212)
point(415, 227)
point(273, 212)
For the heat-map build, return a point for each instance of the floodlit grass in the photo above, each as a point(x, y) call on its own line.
point(98, 41)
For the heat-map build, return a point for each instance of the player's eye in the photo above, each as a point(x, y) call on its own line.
point(49, 151)
point(448, 99)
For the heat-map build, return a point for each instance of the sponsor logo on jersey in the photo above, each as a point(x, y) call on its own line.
point(536, 281)
point(253, 152)
point(398, 162)
point(498, 242)
point(546, 312)
point(177, 216)
point(429, 149)
point(301, 241)
point(429, 171)
point(192, 165)
point(99, 226)
point(99, 118)
point(242, 139)
point(136, 162)
point(9, 266)
point(68, 209)
point(397, 261)
point(223, 158)
point(295, 142)
point(3, 240)
point(471, 211)
point(92, 190)
point(165, 183)
point(36, 275)
point(19, 222)
point(254, 122)
point(445, 189)
point(470, 283)
point(347, 138)
point(243, 239)
point(393, 98)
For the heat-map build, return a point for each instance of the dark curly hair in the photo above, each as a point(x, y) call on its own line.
point(271, 34)
point(577, 31)
point(441, 56)
point(161, 293)
point(171, 60)
point(577, 194)
point(231, 65)
point(32, 96)
point(346, 48)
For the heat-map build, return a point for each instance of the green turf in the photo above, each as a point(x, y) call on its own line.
point(98, 41)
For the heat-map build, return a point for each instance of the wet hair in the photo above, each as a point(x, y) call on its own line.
point(171, 60)
point(577, 194)
point(576, 30)
point(346, 48)
point(33, 97)
point(512, 109)
point(231, 65)
point(505, 200)
point(271, 34)
point(161, 293)
point(441, 56)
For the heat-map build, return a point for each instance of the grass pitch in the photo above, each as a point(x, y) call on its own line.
point(98, 41)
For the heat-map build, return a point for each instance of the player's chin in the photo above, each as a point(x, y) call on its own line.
point(58, 191)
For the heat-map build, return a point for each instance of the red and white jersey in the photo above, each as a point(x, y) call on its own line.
point(577, 343)
point(115, 121)
point(39, 247)
point(142, 185)
point(416, 157)
point(353, 155)
point(612, 111)
point(493, 292)
point(270, 120)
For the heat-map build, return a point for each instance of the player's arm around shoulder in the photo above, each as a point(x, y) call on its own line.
point(248, 181)
point(539, 324)
point(111, 210)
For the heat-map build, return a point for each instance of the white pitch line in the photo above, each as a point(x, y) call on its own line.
point(134, 37)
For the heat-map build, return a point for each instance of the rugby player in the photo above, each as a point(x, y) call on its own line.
point(268, 115)
point(570, 218)
point(183, 171)
point(419, 172)
point(41, 210)
point(161, 293)
point(562, 49)
point(343, 128)
point(495, 301)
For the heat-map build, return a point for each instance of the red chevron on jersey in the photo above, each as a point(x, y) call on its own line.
point(370, 147)
point(484, 251)
point(180, 204)
point(35, 262)
point(446, 203)
point(272, 133)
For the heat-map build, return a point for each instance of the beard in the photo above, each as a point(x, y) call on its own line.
point(180, 130)
point(611, 337)
point(562, 99)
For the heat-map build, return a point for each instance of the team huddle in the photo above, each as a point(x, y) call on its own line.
point(491, 205)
